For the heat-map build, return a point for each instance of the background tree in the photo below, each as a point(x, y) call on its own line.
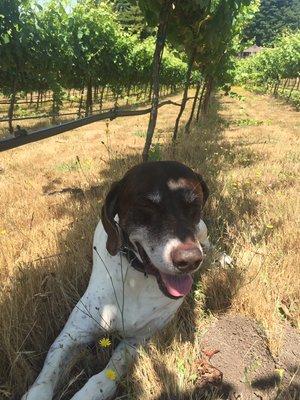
point(269, 67)
point(15, 48)
point(165, 9)
point(132, 19)
point(209, 44)
point(273, 17)
point(51, 60)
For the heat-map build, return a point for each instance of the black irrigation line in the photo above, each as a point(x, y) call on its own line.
point(7, 144)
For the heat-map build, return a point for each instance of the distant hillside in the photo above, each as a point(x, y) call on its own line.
point(273, 17)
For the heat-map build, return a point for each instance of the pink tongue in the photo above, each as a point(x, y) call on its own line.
point(177, 285)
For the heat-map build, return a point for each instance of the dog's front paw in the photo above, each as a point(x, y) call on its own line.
point(39, 391)
point(98, 387)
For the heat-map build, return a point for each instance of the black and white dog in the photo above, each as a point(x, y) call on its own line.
point(146, 249)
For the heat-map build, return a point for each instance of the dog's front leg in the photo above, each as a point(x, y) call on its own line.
point(79, 330)
point(103, 386)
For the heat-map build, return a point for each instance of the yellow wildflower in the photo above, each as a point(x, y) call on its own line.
point(2, 232)
point(105, 342)
point(111, 374)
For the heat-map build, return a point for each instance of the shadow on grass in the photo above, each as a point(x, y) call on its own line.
point(44, 292)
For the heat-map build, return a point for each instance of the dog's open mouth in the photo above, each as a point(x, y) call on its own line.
point(175, 285)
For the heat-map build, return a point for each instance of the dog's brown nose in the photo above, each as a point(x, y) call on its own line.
point(186, 257)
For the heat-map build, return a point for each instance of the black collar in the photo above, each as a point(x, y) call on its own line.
point(133, 260)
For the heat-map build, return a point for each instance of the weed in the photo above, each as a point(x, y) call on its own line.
point(141, 134)
point(237, 96)
point(250, 370)
point(155, 152)
point(247, 122)
point(73, 165)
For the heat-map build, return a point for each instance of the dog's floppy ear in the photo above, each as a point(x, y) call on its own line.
point(204, 188)
point(108, 213)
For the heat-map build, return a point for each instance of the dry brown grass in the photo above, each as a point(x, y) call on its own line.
point(248, 153)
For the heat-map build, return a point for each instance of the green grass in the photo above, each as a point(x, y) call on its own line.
point(247, 122)
point(141, 134)
point(74, 165)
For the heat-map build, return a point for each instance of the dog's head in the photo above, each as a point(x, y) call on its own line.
point(159, 206)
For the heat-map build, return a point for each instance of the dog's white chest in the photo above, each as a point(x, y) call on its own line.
point(130, 302)
point(146, 308)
